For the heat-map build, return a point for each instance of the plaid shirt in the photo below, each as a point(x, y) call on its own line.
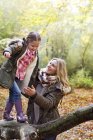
point(23, 63)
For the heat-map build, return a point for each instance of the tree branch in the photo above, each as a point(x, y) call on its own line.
point(14, 130)
point(67, 122)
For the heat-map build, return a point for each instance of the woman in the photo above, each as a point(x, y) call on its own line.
point(18, 71)
point(47, 92)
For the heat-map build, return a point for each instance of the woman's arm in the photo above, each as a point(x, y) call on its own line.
point(49, 101)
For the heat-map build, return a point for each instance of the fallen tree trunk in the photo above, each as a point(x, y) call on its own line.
point(14, 130)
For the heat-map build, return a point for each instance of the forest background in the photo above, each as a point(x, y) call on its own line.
point(66, 28)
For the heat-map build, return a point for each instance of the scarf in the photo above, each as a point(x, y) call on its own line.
point(45, 78)
point(23, 63)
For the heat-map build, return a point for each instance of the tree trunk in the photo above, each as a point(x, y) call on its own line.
point(23, 131)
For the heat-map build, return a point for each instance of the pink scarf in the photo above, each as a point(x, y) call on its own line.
point(24, 63)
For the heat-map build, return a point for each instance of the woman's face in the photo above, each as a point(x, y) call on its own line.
point(51, 68)
point(33, 46)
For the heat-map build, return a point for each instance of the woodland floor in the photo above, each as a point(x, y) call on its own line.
point(71, 102)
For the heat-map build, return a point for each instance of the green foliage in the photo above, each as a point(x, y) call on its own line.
point(56, 41)
point(66, 29)
point(10, 11)
point(43, 58)
point(81, 79)
point(3, 44)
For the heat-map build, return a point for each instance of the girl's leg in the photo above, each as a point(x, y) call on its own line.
point(15, 93)
point(16, 97)
point(8, 108)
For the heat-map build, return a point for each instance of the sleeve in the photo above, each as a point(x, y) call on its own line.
point(66, 90)
point(14, 46)
point(50, 100)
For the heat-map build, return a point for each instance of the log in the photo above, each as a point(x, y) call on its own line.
point(25, 131)
point(14, 130)
point(67, 122)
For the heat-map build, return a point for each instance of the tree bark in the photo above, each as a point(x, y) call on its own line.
point(23, 131)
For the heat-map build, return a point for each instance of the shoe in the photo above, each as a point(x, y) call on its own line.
point(7, 117)
point(8, 108)
point(20, 116)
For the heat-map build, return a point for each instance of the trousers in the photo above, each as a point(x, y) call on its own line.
point(14, 91)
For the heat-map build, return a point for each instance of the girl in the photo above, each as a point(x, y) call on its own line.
point(22, 62)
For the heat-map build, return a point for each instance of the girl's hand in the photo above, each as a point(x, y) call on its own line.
point(30, 90)
point(7, 54)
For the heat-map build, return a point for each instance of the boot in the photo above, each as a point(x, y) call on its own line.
point(8, 108)
point(20, 116)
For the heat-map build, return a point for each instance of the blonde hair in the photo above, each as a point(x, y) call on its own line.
point(62, 71)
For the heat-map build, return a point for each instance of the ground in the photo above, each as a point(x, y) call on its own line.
point(78, 98)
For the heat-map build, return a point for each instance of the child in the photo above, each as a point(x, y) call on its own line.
point(21, 67)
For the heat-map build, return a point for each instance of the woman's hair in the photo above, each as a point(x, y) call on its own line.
point(62, 71)
point(33, 36)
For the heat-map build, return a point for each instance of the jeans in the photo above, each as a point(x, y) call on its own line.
point(14, 92)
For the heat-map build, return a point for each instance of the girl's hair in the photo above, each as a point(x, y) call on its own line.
point(33, 36)
point(62, 71)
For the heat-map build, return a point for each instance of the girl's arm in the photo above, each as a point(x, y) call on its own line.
point(13, 47)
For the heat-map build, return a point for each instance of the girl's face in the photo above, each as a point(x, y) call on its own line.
point(52, 67)
point(33, 46)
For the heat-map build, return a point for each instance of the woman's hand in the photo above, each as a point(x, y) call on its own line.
point(7, 54)
point(30, 90)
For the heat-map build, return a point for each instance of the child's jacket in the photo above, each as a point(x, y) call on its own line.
point(9, 67)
